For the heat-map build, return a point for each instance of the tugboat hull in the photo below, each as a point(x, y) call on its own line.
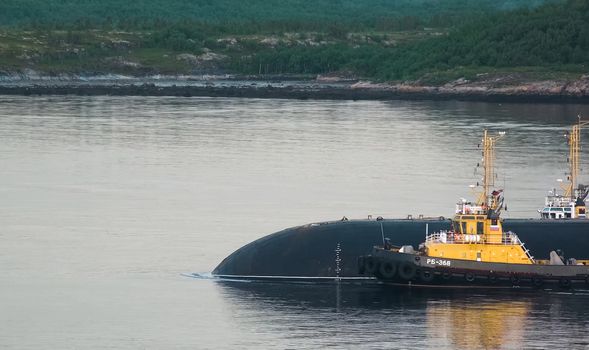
point(417, 270)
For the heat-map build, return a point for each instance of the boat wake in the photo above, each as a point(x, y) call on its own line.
point(200, 276)
point(210, 276)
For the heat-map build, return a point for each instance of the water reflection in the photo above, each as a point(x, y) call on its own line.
point(490, 325)
point(338, 297)
point(376, 316)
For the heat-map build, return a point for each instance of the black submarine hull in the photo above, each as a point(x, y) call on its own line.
point(330, 250)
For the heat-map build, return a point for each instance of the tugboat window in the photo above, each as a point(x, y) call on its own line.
point(480, 228)
point(456, 226)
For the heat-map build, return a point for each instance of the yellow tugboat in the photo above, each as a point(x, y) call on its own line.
point(570, 204)
point(476, 251)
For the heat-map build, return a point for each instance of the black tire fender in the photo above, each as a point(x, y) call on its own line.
point(514, 280)
point(537, 282)
point(426, 275)
point(407, 271)
point(370, 265)
point(564, 282)
point(387, 269)
point(469, 277)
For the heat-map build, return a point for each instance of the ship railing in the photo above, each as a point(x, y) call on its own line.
point(509, 238)
point(453, 237)
point(437, 237)
point(514, 239)
point(559, 201)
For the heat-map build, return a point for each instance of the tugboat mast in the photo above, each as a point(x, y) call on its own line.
point(571, 204)
point(488, 145)
point(574, 141)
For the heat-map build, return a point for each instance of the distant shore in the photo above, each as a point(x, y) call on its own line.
point(296, 88)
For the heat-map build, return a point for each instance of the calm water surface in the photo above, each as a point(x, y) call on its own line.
point(106, 201)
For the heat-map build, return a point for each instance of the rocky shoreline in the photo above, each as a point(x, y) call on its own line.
point(320, 88)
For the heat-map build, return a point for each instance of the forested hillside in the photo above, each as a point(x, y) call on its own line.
point(149, 13)
point(429, 40)
point(552, 36)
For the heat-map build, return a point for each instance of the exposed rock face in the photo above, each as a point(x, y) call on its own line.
point(187, 57)
point(579, 87)
point(229, 42)
point(207, 58)
point(271, 41)
point(336, 78)
point(119, 61)
point(498, 86)
point(330, 86)
point(211, 56)
point(370, 85)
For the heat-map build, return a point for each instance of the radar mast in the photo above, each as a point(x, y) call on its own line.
point(574, 141)
point(486, 197)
